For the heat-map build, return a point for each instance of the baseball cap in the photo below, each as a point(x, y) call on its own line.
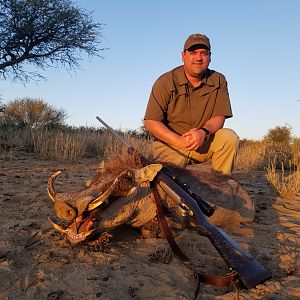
point(197, 39)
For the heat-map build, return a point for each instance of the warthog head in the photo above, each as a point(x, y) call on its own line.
point(81, 209)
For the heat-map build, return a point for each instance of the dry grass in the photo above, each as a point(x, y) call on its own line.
point(72, 144)
point(256, 155)
point(295, 149)
point(14, 138)
point(251, 156)
point(11, 141)
point(58, 145)
point(286, 183)
point(281, 162)
point(68, 144)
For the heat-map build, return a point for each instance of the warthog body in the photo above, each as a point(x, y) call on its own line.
point(119, 194)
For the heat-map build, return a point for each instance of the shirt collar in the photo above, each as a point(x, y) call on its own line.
point(206, 79)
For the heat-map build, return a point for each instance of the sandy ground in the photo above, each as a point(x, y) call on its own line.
point(37, 263)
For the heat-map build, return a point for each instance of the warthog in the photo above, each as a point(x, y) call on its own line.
point(120, 194)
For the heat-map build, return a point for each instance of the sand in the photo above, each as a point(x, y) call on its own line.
point(36, 262)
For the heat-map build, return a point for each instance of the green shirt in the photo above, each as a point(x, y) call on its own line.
point(181, 107)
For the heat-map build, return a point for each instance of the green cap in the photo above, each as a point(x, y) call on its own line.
point(196, 39)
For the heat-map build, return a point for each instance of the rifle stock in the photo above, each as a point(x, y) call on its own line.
point(250, 271)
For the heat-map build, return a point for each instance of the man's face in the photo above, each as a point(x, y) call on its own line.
point(196, 61)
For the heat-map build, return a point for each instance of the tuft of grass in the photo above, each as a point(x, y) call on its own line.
point(114, 147)
point(286, 183)
point(71, 145)
point(55, 145)
point(295, 149)
point(12, 137)
point(256, 155)
point(251, 156)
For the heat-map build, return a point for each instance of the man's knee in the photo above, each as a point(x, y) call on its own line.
point(228, 137)
point(225, 147)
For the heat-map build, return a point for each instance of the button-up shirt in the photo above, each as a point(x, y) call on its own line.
point(181, 107)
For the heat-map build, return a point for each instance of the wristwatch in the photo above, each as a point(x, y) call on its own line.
point(207, 133)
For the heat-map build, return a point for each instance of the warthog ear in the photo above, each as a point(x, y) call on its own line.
point(147, 173)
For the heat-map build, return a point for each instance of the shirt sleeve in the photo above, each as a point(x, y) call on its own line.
point(223, 106)
point(158, 101)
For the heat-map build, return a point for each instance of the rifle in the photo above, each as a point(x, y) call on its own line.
point(205, 207)
point(249, 271)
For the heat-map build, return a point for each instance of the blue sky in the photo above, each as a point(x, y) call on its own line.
point(255, 44)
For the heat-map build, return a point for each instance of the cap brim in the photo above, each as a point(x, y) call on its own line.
point(199, 44)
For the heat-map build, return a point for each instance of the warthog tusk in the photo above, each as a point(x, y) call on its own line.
point(86, 234)
point(58, 227)
point(50, 188)
point(79, 237)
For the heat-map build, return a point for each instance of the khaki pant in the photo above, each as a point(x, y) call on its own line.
point(221, 148)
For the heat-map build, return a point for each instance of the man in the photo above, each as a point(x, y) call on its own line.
point(187, 109)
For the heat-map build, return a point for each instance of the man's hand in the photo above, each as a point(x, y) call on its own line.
point(193, 139)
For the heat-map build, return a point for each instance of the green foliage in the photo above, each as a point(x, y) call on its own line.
point(31, 113)
point(279, 134)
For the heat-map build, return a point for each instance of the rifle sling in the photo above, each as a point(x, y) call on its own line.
point(218, 281)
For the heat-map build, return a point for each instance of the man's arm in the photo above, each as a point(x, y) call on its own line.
point(164, 134)
point(214, 124)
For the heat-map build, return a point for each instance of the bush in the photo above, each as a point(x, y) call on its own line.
point(31, 113)
point(279, 134)
point(251, 155)
point(257, 155)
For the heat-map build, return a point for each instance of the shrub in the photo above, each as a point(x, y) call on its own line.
point(257, 155)
point(31, 113)
point(279, 134)
point(251, 155)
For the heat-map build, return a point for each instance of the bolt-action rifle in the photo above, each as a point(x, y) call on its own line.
point(249, 271)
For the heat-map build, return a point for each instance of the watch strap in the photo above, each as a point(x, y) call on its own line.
point(207, 133)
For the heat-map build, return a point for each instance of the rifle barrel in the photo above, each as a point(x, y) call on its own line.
point(116, 134)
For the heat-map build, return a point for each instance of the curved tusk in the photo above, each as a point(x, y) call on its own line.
point(77, 238)
point(50, 188)
point(58, 227)
point(86, 234)
point(98, 201)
